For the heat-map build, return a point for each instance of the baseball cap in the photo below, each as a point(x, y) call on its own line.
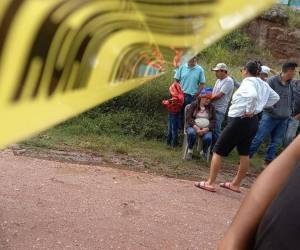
point(206, 93)
point(265, 70)
point(220, 66)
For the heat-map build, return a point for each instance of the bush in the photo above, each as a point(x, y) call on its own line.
point(237, 40)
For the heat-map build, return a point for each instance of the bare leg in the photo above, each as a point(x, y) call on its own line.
point(214, 169)
point(241, 174)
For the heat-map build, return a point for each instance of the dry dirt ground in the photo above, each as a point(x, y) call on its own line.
point(52, 205)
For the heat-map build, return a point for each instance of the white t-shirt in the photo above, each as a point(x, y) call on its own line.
point(251, 97)
point(226, 87)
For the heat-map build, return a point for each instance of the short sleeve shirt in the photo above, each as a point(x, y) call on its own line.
point(190, 78)
point(226, 87)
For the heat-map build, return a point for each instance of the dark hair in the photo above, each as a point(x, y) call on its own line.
point(253, 67)
point(289, 65)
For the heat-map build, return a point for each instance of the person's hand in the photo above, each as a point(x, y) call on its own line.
point(202, 131)
point(205, 130)
point(297, 117)
point(248, 114)
point(197, 129)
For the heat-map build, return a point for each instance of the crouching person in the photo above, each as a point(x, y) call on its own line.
point(174, 105)
point(200, 120)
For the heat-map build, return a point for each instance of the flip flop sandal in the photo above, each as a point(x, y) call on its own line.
point(227, 185)
point(202, 185)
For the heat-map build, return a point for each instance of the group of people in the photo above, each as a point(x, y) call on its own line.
point(261, 107)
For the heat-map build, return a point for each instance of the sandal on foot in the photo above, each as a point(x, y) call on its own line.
point(227, 185)
point(202, 185)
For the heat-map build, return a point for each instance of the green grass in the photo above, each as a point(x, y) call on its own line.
point(154, 156)
point(294, 17)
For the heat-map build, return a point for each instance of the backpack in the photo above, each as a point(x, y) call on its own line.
point(174, 104)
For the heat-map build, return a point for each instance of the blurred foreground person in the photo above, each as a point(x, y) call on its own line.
point(269, 217)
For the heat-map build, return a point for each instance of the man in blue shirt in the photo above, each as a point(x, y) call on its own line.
point(191, 77)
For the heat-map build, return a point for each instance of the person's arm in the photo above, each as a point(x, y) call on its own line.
point(202, 80)
point(217, 96)
point(201, 86)
point(273, 98)
point(268, 185)
point(177, 76)
point(227, 88)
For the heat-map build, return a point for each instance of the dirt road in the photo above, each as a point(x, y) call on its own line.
point(51, 205)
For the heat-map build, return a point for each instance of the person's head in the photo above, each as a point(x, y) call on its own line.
point(192, 62)
point(289, 70)
point(264, 73)
point(205, 97)
point(221, 70)
point(252, 68)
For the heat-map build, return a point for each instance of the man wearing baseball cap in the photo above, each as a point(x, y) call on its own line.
point(264, 73)
point(222, 93)
point(191, 78)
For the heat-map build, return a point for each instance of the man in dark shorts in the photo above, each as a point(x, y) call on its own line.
point(248, 101)
point(269, 216)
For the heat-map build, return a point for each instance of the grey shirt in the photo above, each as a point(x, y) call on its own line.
point(226, 87)
point(296, 97)
point(284, 107)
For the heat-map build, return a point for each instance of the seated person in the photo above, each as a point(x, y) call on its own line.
point(200, 120)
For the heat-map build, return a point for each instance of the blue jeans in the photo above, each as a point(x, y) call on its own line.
point(173, 126)
point(291, 131)
point(218, 127)
point(269, 126)
point(192, 136)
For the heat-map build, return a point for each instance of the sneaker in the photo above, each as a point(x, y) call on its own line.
point(189, 156)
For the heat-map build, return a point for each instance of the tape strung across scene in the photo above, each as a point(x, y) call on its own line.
point(59, 58)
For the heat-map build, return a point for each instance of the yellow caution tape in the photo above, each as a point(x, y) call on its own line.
point(59, 58)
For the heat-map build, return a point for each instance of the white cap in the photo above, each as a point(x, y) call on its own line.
point(220, 66)
point(265, 70)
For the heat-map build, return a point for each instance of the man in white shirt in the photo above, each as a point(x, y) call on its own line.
point(248, 101)
point(222, 94)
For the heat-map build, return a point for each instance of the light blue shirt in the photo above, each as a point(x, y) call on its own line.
point(190, 78)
